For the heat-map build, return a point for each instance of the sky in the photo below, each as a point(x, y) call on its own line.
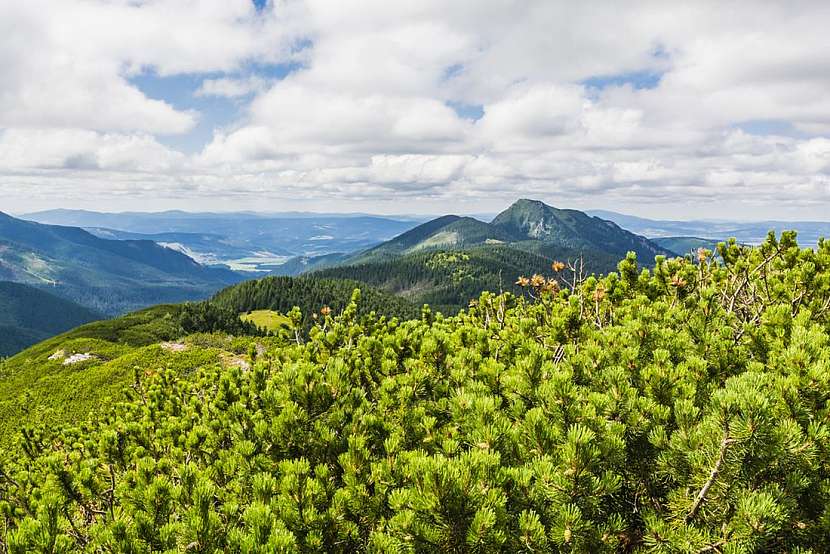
point(658, 109)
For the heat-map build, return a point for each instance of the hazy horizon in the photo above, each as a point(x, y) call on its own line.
point(658, 110)
point(413, 216)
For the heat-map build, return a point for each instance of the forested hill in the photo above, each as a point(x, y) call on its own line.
point(448, 279)
point(311, 293)
point(451, 259)
point(531, 219)
point(449, 231)
point(29, 315)
point(681, 408)
point(111, 276)
point(525, 222)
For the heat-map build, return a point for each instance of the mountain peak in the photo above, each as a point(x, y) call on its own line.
point(531, 218)
point(447, 232)
point(526, 207)
point(535, 220)
point(528, 202)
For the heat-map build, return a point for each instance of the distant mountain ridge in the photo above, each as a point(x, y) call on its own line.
point(686, 245)
point(524, 225)
point(111, 276)
point(747, 232)
point(303, 264)
point(536, 220)
point(449, 231)
point(242, 240)
point(449, 260)
point(205, 248)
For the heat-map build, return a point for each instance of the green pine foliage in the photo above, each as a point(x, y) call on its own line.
point(679, 409)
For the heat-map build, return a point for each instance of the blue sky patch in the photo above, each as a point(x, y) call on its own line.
point(473, 112)
point(637, 79)
point(452, 71)
point(215, 112)
point(275, 72)
point(179, 92)
point(762, 127)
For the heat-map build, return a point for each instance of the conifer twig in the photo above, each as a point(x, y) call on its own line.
point(757, 268)
point(713, 475)
point(715, 547)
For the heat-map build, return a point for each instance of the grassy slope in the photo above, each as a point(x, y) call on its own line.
point(66, 393)
point(71, 390)
point(35, 387)
point(266, 319)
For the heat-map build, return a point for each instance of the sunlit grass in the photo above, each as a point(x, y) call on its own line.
point(267, 319)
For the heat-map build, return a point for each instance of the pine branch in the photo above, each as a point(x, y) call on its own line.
point(746, 280)
point(713, 475)
point(714, 547)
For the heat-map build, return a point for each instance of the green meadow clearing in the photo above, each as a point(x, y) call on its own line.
point(266, 319)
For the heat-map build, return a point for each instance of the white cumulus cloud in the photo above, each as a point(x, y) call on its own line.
point(653, 107)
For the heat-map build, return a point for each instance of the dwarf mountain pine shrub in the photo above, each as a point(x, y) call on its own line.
point(682, 409)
